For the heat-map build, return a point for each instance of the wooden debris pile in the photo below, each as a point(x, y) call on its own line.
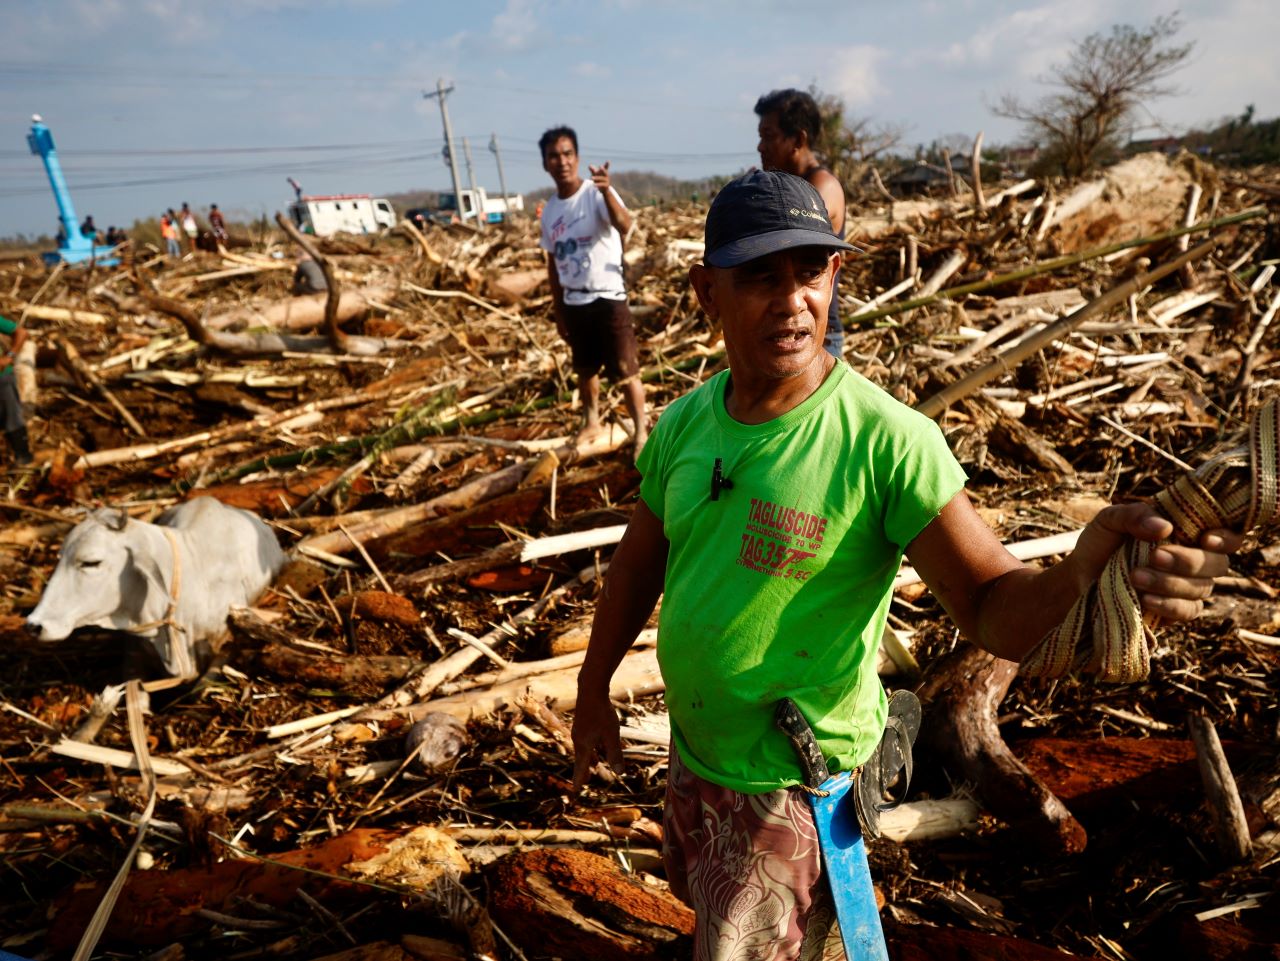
point(410, 434)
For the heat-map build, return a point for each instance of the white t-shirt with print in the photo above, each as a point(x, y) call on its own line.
point(576, 231)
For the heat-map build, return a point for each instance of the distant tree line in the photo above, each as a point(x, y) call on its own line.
point(1238, 141)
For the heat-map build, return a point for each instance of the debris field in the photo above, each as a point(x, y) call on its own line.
point(378, 766)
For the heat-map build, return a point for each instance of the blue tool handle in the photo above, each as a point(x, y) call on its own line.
point(844, 856)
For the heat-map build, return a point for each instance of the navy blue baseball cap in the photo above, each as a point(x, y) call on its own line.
point(765, 211)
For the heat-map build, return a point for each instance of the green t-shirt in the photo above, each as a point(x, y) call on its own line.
point(781, 586)
point(7, 326)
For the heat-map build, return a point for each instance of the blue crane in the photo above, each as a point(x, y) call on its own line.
point(74, 247)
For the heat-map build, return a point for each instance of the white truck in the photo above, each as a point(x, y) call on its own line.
point(496, 209)
point(342, 213)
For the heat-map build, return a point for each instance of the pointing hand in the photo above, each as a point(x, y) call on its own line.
point(600, 176)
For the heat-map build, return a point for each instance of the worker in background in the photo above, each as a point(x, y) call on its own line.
point(583, 224)
point(189, 226)
point(308, 278)
point(87, 229)
point(217, 226)
point(169, 233)
point(15, 427)
point(789, 128)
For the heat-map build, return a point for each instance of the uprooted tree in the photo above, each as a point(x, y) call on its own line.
point(1089, 113)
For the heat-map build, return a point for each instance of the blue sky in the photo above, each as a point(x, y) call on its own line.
point(156, 102)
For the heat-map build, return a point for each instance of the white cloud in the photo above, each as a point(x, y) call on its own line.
point(856, 75)
point(516, 26)
point(183, 23)
point(98, 16)
point(592, 70)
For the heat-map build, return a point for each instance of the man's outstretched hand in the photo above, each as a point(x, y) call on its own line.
point(1176, 579)
point(595, 728)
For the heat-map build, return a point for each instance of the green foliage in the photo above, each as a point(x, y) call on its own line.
point(1088, 116)
point(23, 243)
point(1238, 141)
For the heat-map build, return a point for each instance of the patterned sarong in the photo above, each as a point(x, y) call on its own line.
point(750, 867)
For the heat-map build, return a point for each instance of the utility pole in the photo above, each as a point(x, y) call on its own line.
point(442, 92)
point(477, 202)
point(502, 180)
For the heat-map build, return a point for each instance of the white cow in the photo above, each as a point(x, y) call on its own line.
point(172, 581)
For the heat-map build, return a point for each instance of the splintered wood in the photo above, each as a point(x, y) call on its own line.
point(412, 436)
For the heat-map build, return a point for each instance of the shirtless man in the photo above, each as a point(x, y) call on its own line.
point(790, 123)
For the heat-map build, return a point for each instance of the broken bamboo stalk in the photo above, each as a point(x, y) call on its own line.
point(416, 235)
point(208, 438)
point(115, 758)
point(82, 373)
point(946, 270)
point(62, 315)
point(1067, 260)
point(1230, 827)
point(935, 405)
point(467, 495)
point(636, 676)
point(975, 168)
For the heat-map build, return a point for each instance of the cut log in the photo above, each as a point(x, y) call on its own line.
point(1093, 774)
point(333, 292)
point(265, 343)
point(156, 908)
point(579, 906)
point(24, 373)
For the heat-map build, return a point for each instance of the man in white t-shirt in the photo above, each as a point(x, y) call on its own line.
point(583, 224)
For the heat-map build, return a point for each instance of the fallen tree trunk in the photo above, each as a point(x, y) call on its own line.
point(301, 313)
point(266, 343)
point(961, 693)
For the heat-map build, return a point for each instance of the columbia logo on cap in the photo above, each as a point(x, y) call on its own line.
point(763, 212)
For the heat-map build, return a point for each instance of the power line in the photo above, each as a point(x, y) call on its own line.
point(215, 151)
point(222, 174)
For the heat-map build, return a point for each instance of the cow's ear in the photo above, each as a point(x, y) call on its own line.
point(115, 520)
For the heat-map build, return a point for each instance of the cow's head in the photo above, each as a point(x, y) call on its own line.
point(97, 582)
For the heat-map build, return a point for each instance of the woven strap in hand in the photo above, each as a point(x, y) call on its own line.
point(1104, 632)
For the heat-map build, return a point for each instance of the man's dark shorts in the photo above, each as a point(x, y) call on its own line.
point(601, 335)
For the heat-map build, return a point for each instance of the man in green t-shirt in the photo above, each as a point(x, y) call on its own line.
point(15, 427)
point(777, 502)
